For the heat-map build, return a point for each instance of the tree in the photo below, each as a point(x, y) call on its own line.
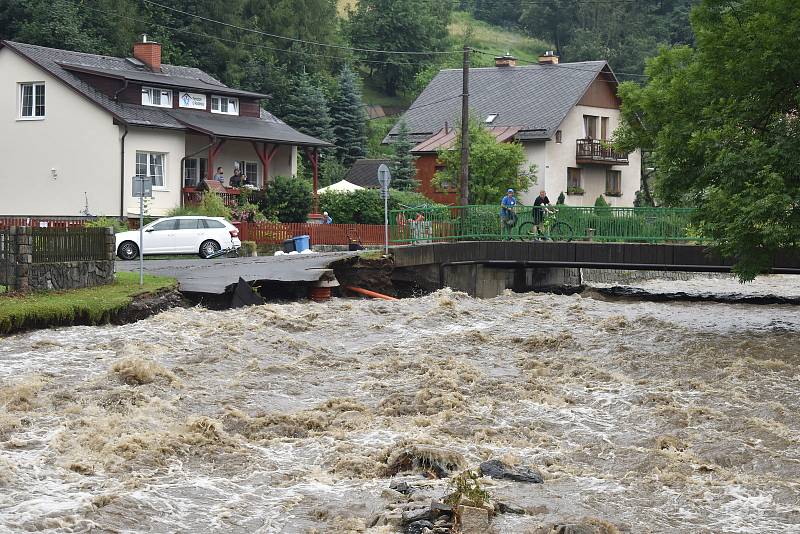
point(307, 110)
point(493, 167)
point(285, 199)
point(349, 119)
point(722, 120)
point(402, 167)
point(395, 25)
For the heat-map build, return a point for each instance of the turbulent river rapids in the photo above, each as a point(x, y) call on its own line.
point(641, 416)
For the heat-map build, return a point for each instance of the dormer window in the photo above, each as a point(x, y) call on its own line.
point(227, 105)
point(153, 96)
point(490, 118)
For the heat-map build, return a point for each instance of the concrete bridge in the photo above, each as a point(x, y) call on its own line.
point(486, 268)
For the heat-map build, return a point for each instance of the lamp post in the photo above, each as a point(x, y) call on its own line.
point(385, 178)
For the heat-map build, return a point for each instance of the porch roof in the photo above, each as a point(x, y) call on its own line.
point(267, 128)
point(446, 138)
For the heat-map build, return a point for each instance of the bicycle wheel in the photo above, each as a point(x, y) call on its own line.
point(561, 231)
point(526, 231)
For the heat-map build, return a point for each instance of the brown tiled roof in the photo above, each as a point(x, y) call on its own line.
point(446, 139)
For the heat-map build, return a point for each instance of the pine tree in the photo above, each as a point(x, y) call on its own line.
point(403, 170)
point(349, 119)
point(307, 110)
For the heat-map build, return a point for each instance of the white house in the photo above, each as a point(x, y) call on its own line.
point(564, 114)
point(75, 128)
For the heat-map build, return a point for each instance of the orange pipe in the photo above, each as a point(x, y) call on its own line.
point(369, 293)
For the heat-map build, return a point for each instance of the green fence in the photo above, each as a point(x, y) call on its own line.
point(559, 223)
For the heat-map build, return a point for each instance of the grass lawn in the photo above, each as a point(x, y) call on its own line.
point(95, 304)
point(494, 40)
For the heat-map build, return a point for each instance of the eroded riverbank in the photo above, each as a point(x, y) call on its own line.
point(653, 417)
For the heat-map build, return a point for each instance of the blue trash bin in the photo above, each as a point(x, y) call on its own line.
point(301, 243)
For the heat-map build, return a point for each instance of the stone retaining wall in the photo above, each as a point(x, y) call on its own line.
point(619, 276)
point(70, 274)
point(24, 275)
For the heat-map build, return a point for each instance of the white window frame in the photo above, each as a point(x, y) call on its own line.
point(217, 99)
point(147, 97)
point(490, 118)
point(197, 175)
point(34, 93)
point(149, 168)
point(242, 166)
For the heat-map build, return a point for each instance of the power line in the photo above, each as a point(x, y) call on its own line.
point(301, 41)
point(242, 43)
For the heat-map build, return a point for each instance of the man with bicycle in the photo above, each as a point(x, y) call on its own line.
point(539, 209)
point(508, 215)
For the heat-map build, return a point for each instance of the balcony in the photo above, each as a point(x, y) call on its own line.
point(229, 195)
point(599, 152)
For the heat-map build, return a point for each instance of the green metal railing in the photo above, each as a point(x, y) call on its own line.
point(560, 223)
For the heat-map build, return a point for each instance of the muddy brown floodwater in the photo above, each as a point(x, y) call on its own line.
point(652, 417)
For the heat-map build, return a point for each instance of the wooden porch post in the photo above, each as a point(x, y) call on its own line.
point(212, 154)
point(313, 157)
point(265, 157)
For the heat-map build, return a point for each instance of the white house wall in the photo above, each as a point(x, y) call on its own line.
point(47, 165)
point(536, 154)
point(560, 156)
point(169, 142)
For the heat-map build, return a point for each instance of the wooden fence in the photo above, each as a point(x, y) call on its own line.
point(51, 245)
point(320, 234)
point(42, 222)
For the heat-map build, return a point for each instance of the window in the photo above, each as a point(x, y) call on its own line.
point(188, 224)
point(169, 224)
point(152, 96)
point(194, 171)
point(490, 119)
point(590, 126)
point(224, 104)
point(574, 181)
point(558, 136)
point(31, 100)
point(151, 164)
point(613, 183)
point(604, 128)
point(211, 223)
point(251, 171)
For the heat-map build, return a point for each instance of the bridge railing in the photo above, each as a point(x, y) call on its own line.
point(605, 224)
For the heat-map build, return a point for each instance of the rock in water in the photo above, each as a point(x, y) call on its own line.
point(498, 469)
point(417, 527)
point(473, 520)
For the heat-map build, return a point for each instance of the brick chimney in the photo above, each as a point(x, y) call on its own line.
point(506, 60)
point(149, 53)
point(548, 58)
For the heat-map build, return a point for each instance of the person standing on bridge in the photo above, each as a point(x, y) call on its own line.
point(508, 215)
point(539, 210)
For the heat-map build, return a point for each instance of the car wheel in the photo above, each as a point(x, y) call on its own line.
point(128, 250)
point(208, 247)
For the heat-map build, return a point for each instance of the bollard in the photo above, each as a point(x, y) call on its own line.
point(590, 234)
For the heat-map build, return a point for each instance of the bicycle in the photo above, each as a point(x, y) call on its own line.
point(547, 228)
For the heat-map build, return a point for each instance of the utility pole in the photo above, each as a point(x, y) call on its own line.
point(464, 182)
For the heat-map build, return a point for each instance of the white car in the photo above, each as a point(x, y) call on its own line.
point(180, 235)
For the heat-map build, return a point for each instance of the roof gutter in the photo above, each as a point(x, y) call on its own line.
point(193, 154)
point(122, 173)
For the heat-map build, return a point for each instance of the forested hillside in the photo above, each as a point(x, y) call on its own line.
point(625, 32)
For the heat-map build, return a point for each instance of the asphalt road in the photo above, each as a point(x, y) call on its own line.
point(215, 276)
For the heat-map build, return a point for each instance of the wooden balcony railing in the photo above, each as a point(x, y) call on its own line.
point(596, 151)
point(230, 196)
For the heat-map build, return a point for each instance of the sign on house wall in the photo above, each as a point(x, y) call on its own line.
point(192, 100)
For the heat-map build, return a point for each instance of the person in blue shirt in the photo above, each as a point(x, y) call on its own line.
point(508, 217)
point(326, 219)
